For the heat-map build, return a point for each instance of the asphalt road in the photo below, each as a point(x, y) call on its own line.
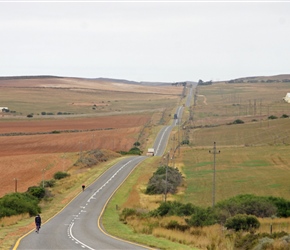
point(78, 225)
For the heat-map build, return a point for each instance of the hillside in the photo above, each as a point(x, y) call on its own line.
point(262, 79)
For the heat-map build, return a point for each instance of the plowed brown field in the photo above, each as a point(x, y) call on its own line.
point(103, 114)
point(24, 157)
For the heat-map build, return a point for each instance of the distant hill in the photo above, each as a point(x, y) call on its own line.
point(100, 79)
point(255, 79)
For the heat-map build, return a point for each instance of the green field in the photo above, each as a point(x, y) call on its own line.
point(254, 156)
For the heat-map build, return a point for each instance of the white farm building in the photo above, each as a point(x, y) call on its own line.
point(287, 98)
point(3, 109)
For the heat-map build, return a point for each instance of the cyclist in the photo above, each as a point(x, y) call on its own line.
point(37, 222)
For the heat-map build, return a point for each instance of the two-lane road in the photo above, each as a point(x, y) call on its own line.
point(78, 225)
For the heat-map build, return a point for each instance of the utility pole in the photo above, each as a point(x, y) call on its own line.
point(15, 180)
point(63, 156)
point(43, 171)
point(166, 173)
point(214, 151)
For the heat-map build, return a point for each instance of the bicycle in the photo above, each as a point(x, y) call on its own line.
point(37, 228)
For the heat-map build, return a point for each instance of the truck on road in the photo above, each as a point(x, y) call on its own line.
point(150, 152)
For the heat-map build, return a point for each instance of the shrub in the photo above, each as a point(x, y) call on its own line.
point(30, 115)
point(272, 117)
point(238, 121)
point(38, 192)
point(242, 222)
point(201, 217)
point(18, 203)
point(60, 175)
point(157, 183)
point(132, 151)
point(185, 142)
point(137, 144)
point(126, 212)
point(284, 116)
point(282, 205)
point(174, 208)
point(48, 183)
point(245, 204)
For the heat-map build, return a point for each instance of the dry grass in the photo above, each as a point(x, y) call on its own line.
point(254, 159)
point(12, 220)
point(83, 97)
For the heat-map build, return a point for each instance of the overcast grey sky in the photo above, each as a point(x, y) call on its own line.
point(145, 41)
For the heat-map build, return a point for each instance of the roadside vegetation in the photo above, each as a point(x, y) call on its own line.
point(252, 175)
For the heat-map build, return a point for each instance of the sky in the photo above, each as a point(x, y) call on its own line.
point(159, 41)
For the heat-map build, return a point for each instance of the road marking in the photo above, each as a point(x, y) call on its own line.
point(78, 241)
point(161, 139)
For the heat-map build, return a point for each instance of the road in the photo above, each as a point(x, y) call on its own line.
point(78, 225)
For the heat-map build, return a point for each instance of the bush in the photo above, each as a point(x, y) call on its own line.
point(238, 121)
point(126, 212)
point(157, 183)
point(272, 117)
point(245, 204)
point(30, 115)
point(38, 192)
point(137, 144)
point(18, 203)
point(60, 175)
point(242, 222)
point(49, 183)
point(202, 217)
point(174, 208)
point(185, 142)
point(132, 151)
point(284, 116)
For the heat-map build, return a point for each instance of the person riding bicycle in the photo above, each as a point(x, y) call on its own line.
point(37, 222)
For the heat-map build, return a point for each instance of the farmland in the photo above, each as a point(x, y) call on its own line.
point(253, 158)
point(70, 116)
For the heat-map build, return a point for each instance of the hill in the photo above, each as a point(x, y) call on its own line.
point(267, 79)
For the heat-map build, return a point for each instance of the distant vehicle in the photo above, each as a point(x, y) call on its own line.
point(175, 116)
point(150, 152)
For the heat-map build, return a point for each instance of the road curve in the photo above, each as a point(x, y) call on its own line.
point(78, 225)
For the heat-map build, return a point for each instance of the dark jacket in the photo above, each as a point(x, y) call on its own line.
point(38, 220)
